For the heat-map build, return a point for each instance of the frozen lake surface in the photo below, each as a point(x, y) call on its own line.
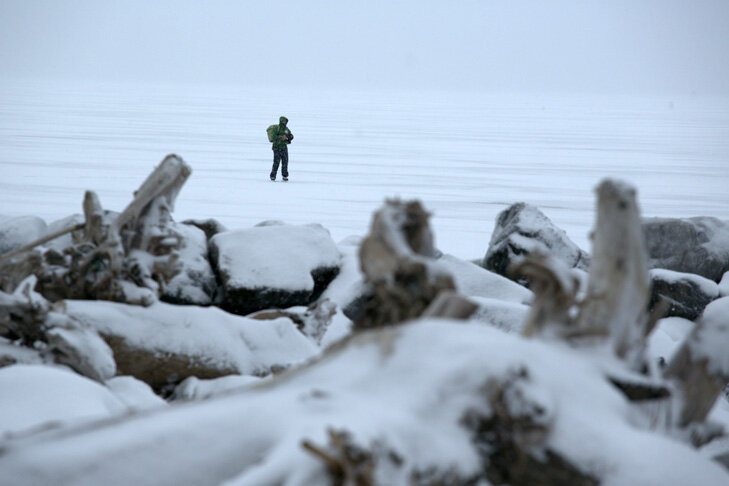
point(466, 156)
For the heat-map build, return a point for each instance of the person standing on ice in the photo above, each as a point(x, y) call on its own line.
point(281, 136)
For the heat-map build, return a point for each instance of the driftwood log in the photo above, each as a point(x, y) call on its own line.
point(394, 258)
point(618, 288)
point(555, 289)
point(701, 365)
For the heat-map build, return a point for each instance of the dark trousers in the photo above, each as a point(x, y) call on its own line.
point(280, 155)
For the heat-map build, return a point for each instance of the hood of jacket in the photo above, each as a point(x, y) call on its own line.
point(282, 119)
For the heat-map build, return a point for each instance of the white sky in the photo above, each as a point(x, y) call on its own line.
point(540, 45)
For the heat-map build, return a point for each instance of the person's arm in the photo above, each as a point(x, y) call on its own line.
point(291, 136)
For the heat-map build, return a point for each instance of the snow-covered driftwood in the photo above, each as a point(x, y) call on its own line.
point(701, 364)
point(618, 289)
point(428, 402)
point(555, 289)
point(394, 258)
point(23, 313)
point(115, 255)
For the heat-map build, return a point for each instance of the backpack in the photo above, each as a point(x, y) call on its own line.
point(271, 132)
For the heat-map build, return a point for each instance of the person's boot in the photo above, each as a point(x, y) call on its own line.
point(273, 179)
point(285, 179)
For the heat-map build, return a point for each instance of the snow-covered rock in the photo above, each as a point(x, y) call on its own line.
point(504, 315)
point(11, 353)
point(196, 389)
point(686, 293)
point(474, 281)
point(411, 397)
point(666, 337)
point(273, 266)
point(61, 243)
point(522, 228)
point(136, 395)
point(37, 396)
point(348, 289)
point(693, 245)
point(195, 284)
point(19, 230)
point(724, 285)
point(712, 337)
point(164, 344)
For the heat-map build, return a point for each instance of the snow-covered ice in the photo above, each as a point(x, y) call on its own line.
point(467, 156)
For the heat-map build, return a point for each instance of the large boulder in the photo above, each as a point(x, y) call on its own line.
point(686, 293)
point(522, 228)
point(195, 284)
point(163, 344)
point(273, 266)
point(694, 245)
point(20, 230)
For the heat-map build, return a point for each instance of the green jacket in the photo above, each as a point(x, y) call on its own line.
point(283, 135)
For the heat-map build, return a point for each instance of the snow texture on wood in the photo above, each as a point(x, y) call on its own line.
point(164, 344)
point(555, 289)
point(127, 258)
point(396, 259)
point(701, 364)
point(430, 400)
point(23, 313)
point(618, 288)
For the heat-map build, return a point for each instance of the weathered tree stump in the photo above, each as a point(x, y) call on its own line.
point(394, 260)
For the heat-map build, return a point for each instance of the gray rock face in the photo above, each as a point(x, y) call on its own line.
point(273, 266)
point(522, 228)
point(18, 231)
point(687, 294)
point(693, 245)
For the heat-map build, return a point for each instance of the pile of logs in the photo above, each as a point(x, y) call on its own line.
point(123, 258)
point(126, 257)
